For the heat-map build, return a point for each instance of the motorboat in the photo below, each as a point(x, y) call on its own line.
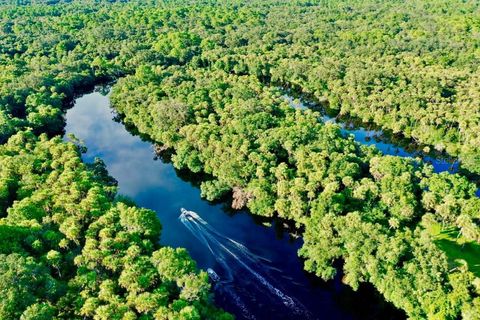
point(213, 275)
point(189, 215)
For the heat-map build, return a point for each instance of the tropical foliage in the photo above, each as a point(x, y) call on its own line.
point(205, 79)
point(70, 250)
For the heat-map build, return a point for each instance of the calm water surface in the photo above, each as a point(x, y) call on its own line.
point(261, 275)
point(381, 141)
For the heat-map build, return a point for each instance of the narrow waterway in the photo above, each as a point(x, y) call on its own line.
point(259, 273)
point(381, 141)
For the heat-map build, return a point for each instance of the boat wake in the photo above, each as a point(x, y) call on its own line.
point(244, 277)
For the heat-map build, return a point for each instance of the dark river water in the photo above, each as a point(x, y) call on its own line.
point(259, 273)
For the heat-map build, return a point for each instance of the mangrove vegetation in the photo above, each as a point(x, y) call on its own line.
point(205, 80)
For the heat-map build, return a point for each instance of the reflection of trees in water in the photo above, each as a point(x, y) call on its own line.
point(282, 227)
point(372, 131)
point(331, 289)
point(351, 123)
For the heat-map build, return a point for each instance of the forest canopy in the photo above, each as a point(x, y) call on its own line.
point(69, 249)
point(206, 79)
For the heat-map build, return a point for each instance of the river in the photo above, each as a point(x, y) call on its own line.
point(259, 273)
point(440, 162)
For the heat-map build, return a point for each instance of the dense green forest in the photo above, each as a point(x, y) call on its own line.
point(205, 79)
point(69, 249)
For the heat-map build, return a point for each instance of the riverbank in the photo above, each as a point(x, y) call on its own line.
point(158, 186)
point(286, 163)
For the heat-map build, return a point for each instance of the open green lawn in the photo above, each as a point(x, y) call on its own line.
point(457, 250)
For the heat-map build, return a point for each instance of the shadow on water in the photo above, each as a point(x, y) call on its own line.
point(158, 186)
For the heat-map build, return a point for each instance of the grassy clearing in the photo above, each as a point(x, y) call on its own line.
point(459, 251)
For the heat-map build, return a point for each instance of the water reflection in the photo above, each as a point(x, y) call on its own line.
point(381, 141)
point(156, 185)
point(378, 139)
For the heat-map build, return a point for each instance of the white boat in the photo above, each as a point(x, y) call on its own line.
point(190, 215)
point(213, 275)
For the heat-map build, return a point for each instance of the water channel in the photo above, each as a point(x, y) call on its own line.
point(259, 273)
point(381, 141)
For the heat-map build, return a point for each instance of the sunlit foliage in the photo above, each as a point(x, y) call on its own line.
point(202, 78)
